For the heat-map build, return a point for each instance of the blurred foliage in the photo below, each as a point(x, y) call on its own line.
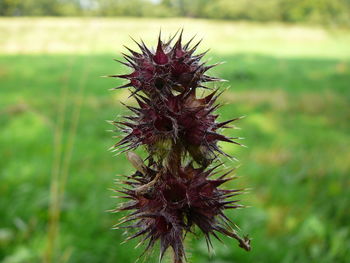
point(296, 96)
point(313, 11)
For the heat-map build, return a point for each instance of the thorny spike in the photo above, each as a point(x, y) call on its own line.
point(189, 42)
point(138, 44)
point(194, 48)
point(159, 45)
point(172, 38)
point(178, 43)
point(124, 63)
point(134, 53)
point(145, 48)
point(123, 86)
point(180, 187)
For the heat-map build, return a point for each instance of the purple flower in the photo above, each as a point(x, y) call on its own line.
point(176, 190)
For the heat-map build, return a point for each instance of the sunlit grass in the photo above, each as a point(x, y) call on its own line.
point(108, 35)
point(297, 127)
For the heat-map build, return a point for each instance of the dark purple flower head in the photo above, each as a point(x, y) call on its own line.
point(181, 119)
point(167, 69)
point(177, 203)
point(175, 191)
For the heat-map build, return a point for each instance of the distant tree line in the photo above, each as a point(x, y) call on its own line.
point(316, 11)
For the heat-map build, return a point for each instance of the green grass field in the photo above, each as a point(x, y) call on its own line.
point(292, 82)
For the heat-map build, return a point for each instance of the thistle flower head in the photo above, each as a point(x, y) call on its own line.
point(182, 119)
point(169, 68)
point(177, 203)
point(176, 191)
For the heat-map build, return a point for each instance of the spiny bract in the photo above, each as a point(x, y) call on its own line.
point(169, 68)
point(179, 119)
point(175, 191)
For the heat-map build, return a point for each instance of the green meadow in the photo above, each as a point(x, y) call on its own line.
point(292, 83)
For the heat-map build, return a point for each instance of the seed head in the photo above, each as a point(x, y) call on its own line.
point(176, 204)
point(177, 190)
point(169, 68)
point(179, 119)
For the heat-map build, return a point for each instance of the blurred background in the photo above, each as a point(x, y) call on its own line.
point(288, 67)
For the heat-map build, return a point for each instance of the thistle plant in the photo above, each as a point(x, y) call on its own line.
point(179, 185)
